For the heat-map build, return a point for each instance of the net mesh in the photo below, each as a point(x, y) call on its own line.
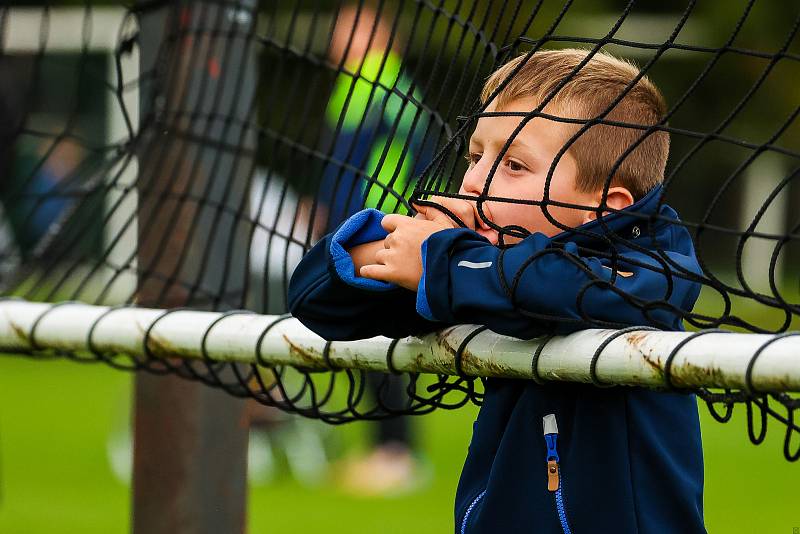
point(187, 154)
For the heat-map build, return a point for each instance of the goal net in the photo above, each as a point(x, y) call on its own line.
point(184, 155)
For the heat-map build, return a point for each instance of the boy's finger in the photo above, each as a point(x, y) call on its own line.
point(461, 208)
point(375, 272)
point(391, 222)
point(380, 256)
point(432, 213)
point(422, 211)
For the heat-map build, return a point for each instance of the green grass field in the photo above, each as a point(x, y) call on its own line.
point(55, 418)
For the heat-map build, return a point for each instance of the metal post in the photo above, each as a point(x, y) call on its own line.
point(190, 440)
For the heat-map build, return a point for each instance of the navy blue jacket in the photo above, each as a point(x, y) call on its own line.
point(627, 459)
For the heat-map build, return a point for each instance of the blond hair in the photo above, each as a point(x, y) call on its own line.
point(588, 93)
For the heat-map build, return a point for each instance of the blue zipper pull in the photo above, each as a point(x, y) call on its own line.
point(551, 438)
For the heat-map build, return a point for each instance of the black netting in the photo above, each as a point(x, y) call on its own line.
point(187, 154)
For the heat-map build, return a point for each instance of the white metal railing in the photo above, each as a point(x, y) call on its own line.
point(714, 359)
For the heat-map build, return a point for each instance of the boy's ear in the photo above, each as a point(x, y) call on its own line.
point(618, 198)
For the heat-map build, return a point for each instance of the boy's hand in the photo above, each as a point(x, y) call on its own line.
point(400, 261)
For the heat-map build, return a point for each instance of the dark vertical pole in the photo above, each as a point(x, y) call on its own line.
point(190, 440)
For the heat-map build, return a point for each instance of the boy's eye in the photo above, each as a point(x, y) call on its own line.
point(515, 166)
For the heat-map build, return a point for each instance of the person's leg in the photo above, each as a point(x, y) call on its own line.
point(390, 467)
point(389, 391)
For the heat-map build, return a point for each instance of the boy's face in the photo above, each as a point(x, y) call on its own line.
point(522, 173)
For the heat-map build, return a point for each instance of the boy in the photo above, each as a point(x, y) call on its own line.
point(619, 460)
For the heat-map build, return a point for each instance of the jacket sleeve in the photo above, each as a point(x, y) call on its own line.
point(535, 287)
point(328, 297)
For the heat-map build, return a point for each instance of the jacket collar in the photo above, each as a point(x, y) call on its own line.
point(629, 223)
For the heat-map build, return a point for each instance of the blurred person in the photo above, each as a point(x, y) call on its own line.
point(375, 139)
point(369, 132)
point(33, 170)
point(43, 199)
point(373, 134)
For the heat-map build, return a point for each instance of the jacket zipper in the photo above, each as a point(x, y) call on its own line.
point(472, 506)
point(555, 480)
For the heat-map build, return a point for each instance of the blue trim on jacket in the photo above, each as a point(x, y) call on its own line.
point(362, 227)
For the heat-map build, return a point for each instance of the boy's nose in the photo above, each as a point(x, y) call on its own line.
point(474, 180)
